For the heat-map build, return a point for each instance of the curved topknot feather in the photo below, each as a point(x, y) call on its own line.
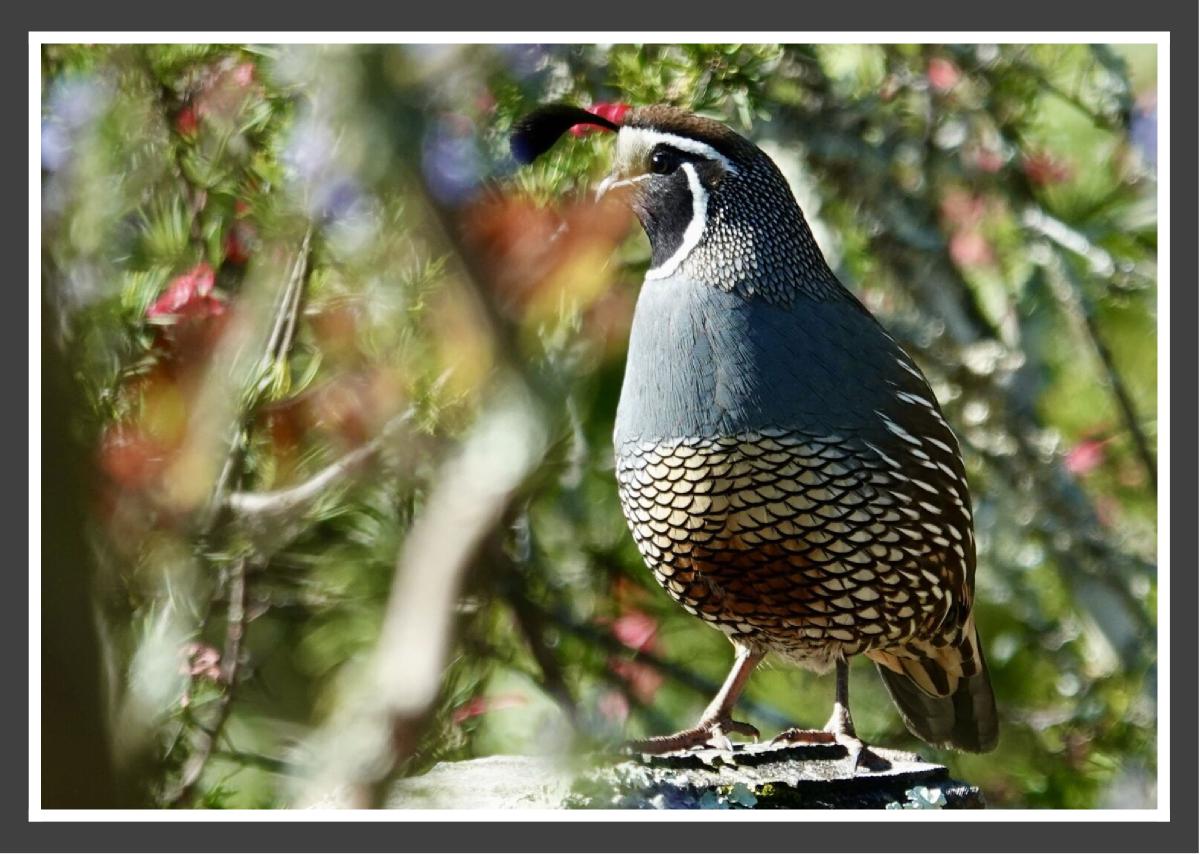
point(534, 135)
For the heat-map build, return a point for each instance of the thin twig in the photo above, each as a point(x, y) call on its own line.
point(258, 761)
point(561, 618)
point(531, 623)
point(205, 739)
point(1078, 304)
point(257, 508)
point(284, 319)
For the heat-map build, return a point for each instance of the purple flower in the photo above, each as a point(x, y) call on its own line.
point(1143, 130)
point(71, 106)
point(451, 159)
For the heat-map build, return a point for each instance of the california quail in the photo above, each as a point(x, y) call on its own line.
point(784, 467)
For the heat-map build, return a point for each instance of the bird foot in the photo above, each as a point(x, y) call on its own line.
point(707, 734)
point(859, 755)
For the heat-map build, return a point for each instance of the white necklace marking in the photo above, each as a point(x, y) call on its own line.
point(694, 231)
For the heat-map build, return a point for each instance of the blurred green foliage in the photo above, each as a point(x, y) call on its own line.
point(994, 205)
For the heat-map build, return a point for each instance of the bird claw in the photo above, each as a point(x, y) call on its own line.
point(860, 756)
point(801, 736)
point(711, 734)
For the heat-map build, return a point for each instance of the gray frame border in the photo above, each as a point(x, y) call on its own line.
point(1179, 835)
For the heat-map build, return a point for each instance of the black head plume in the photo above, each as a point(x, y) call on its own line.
point(533, 135)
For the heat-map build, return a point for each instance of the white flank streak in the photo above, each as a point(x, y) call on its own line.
point(898, 431)
point(909, 369)
point(914, 399)
point(927, 487)
point(695, 228)
point(884, 457)
point(940, 444)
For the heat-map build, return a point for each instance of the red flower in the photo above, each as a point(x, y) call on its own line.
point(129, 457)
point(237, 243)
point(189, 295)
point(942, 73)
point(1044, 168)
point(613, 111)
point(187, 121)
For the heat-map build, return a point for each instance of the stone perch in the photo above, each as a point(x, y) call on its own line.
point(752, 776)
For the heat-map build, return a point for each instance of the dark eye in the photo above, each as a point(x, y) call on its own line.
point(664, 160)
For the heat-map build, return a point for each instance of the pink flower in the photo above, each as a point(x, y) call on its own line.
point(482, 704)
point(988, 160)
point(613, 111)
point(962, 209)
point(970, 249)
point(243, 75)
point(613, 706)
point(1085, 457)
point(642, 680)
point(189, 295)
point(636, 629)
point(942, 73)
point(203, 660)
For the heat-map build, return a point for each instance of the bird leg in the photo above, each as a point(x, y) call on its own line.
point(839, 729)
point(716, 722)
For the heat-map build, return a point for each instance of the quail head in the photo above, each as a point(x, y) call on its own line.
point(783, 464)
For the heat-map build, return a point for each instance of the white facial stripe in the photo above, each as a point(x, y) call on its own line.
point(649, 139)
point(695, 229)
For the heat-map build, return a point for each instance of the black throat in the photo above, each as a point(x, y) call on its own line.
point(665, 207)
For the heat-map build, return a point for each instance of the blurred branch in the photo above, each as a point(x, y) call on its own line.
point(258, 761)
point(563, 619)
point(204, 739)
point(256, 510)
point(1040, 222)
point(531, 622)
point(1073, 296)
point(469, 497)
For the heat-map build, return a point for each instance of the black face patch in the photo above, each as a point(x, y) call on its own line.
point(663, 203)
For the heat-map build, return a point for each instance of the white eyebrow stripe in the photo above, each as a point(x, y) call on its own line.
point(695, 229)
point(650, 138)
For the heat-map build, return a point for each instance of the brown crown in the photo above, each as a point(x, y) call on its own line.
point(672, 120)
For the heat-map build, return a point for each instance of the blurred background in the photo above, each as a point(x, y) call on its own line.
point(329, 383)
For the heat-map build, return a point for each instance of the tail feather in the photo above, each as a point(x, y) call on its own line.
point(944, 694)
